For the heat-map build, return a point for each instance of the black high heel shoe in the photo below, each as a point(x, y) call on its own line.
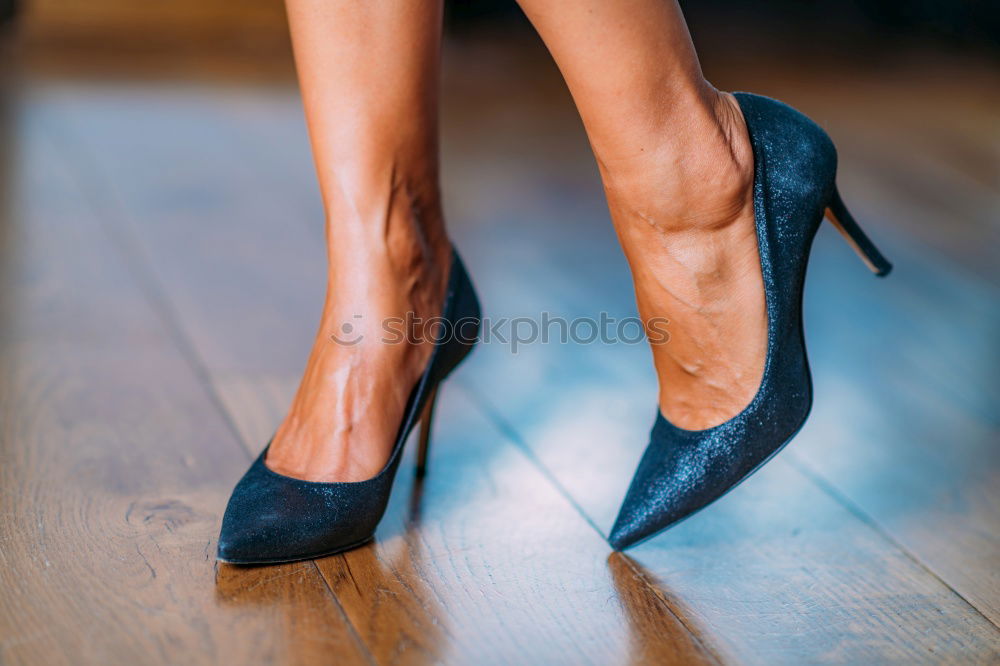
point(683, 471)
point(273, 518)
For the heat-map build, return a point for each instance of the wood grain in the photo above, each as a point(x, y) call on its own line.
point(481, 562)
point(115, 462)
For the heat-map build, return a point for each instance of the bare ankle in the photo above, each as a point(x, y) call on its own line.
point(386, 239)
point(697, 178)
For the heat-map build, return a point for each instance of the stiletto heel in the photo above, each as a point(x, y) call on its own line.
point(425, 434)
point(273, 518)
point(845, 223)
point(683, 471)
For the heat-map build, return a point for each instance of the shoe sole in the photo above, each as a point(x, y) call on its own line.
point(301, 558)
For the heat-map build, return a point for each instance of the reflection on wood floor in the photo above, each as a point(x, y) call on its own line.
point(162, 270)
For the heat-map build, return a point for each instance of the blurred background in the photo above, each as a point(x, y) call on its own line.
point(910, 62)
point(161, 271)
point(258, 25)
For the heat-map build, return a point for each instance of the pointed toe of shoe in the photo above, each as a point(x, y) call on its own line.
point(683, 471)
point(236, 547)
point(626, 532)
point(644, 513)
point(272, 518)
point(680, 472)
point(245, 538)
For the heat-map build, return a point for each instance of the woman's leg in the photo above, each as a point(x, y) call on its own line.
point(369, 77)
point(677, 167)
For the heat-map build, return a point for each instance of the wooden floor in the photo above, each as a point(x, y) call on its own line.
point(161, 270)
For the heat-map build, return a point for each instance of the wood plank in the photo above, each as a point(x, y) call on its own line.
point(777, 571)
point(114, 461)
point(483, 562)
point(906, 430)
point(783, 574)
point(219, 186)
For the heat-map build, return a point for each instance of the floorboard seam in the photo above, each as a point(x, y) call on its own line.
point(661, 597)
point(854, 509)
point(113, 220)
point(509, 431)
point(343, 614)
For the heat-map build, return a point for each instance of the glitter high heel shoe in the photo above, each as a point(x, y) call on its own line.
point(682, 471)
point(273, 518)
